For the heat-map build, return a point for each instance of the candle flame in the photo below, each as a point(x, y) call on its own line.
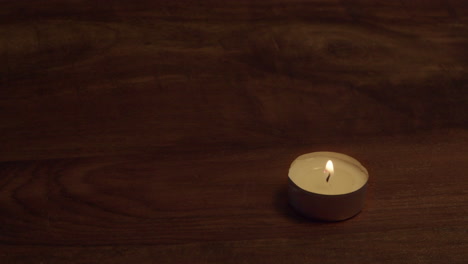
point(329, 169)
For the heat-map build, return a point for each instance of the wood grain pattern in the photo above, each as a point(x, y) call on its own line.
point(231, 207)
point(162, 131)
point(82, 79)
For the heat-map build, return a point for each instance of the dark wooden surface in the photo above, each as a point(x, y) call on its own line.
point(162, 131)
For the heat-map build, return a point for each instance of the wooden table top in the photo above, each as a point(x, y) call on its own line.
point(162, 131)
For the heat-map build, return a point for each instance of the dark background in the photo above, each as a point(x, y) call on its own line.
point(162, 131)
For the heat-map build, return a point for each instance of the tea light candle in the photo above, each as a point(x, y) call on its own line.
point(327, 186)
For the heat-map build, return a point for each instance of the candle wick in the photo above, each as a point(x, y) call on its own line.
point(328, 177)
